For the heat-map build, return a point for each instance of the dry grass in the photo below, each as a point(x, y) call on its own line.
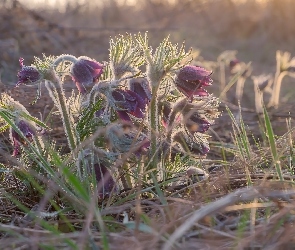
point(222, 212)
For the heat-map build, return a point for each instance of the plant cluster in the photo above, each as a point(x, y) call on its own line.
point(130, 117)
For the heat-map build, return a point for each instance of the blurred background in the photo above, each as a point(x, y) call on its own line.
point(255, 28)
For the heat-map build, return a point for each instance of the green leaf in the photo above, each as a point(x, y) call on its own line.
point(271, 139)
point(34, 119)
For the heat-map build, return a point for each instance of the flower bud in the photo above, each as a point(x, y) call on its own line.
point(105, 181)
point(128, 102)
point(141, 87)
point(197, 124)
point(28, 74)
point(17, 140)
point(190, 80)
point(85, 72)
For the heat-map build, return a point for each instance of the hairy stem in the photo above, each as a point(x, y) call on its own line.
point(64, 58)
point(275, 96)
point(154, 125)
point(59, 99)
point(240, 88)
point(222, 79)
point(258, 99)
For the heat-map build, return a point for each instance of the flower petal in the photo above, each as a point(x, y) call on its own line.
point(193, 73)
point(81, 74)
point(123, 115)
point(138, 113)
point(94, 67)
point(141, 87)
point(27, 75)
point(105, 181)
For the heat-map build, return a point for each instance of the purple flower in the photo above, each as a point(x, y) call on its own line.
point(17, 140)
point(27, 74)
point(86, 72)
point(190, 80)
point(128, 102)
point(105, 181)
point(141, 86)
point(197, 124)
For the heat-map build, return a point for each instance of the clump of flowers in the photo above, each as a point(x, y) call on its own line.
point(126, 115)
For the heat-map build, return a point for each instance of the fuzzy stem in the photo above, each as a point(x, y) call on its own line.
point(240, 88)
point(258, 99)
point(154, 125)
point(275, 97)
point(60, 102)
point(222, 79)
point(64, 58)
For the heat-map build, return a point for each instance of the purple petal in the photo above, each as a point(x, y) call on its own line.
point(202, 149)
point(140, 101)
point(94, 67)
point(123, 115)
point(17, 140)
point(193, 73)
point(118, 95)
point(81, 74)
point(193, 92)
point(26, 129)
point(141, 87)
point(200, 92)
point(129, 100)
point(197, 124)
point(80, 87)
point(28, 74)
point(16, 148)
point(207, 81)
point(105, 181)
point(137, 113)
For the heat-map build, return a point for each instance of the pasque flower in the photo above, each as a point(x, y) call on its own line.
point(141, 86)
point(28, 74)
point(17, 139)
point(86, 72)
point(195, 123)
point(105, 181)
point(128, 102)
point(191, 119)
point(190, 80)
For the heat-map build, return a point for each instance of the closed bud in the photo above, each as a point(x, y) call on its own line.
point(190, 80)
point(85, 72)
point(28, 74)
